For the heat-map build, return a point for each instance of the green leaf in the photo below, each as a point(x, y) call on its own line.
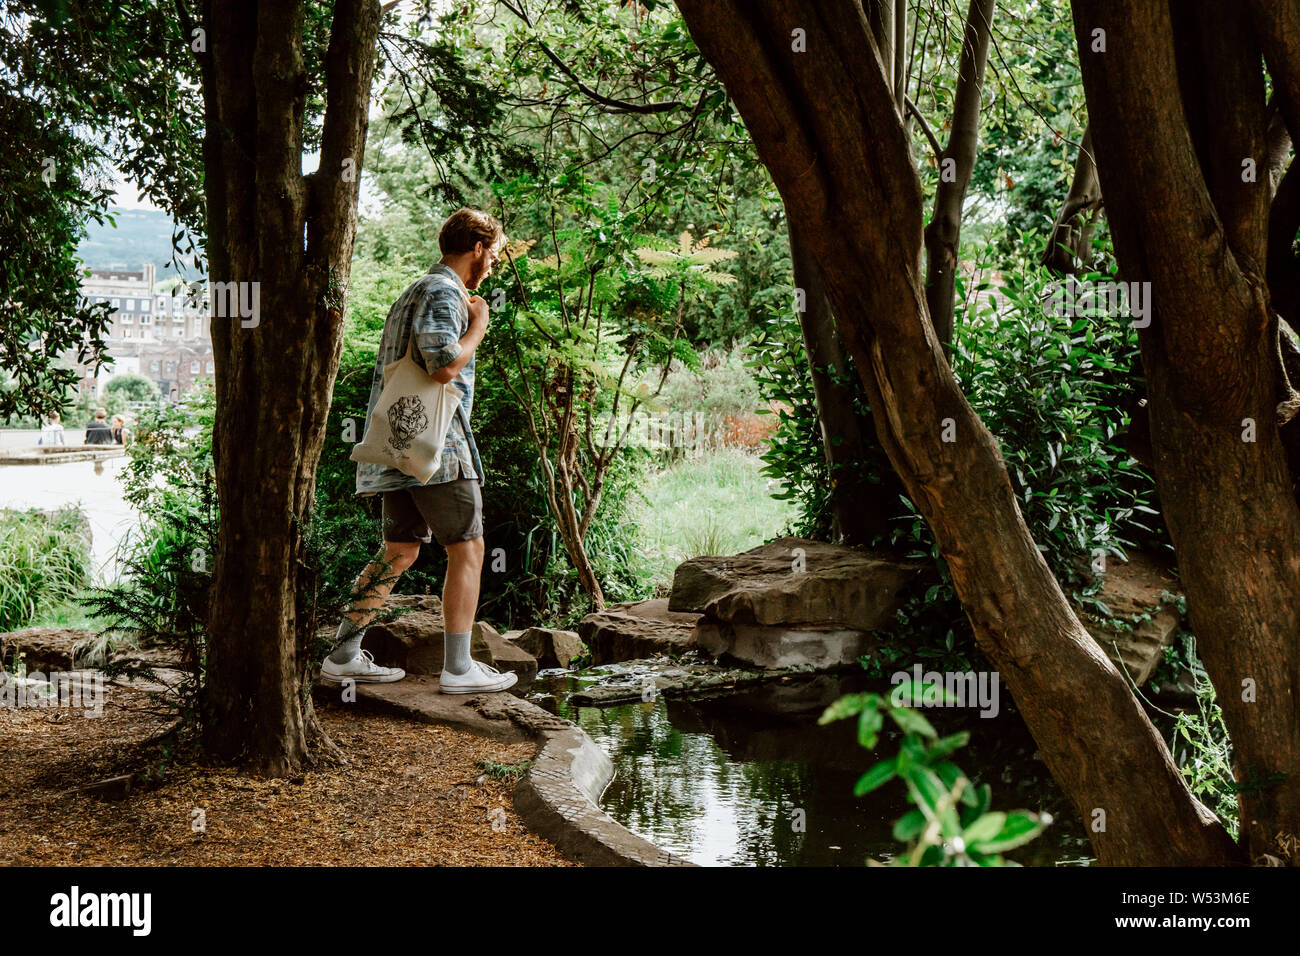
point(847, 706)
point(985, 828)
point(946, 745)
point(909, 825)
point(1019, 828)
point(869, 724)
point(876, 777)
point(912, 722)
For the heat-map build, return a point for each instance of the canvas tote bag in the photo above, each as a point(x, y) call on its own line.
point(409, 425)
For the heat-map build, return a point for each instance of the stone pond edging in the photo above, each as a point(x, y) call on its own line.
point(557, 797)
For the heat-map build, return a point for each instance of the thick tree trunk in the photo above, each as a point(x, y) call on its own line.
point(1071, 237)
point(859, 510)
point(943, 234)
point(1186, 219)
point(843, 169)
point(275, 369)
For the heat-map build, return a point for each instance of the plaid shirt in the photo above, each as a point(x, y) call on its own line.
point(436, 307)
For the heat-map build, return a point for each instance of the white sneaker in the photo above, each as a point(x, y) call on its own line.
point(361, 669)
point(479, 679)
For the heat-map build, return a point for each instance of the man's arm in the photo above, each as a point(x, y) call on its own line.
point(478, 322)
point(436, 330)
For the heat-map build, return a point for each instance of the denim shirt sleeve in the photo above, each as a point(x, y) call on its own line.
point(438, 324)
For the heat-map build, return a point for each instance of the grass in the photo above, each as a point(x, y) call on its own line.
point(717, 504)
point(504, 772)
point(44, 562)
point(70, 614)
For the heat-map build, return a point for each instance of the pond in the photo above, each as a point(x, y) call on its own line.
point(750, 779)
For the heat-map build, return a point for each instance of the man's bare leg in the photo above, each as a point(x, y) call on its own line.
point(369, 592)
point(460, 673)
point(377, 581)
point(460, 590)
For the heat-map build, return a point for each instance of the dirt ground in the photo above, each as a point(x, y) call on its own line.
point(414, 794)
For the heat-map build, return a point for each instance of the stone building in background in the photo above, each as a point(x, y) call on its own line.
point(159, 330)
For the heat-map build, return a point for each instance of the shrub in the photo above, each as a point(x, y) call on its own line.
point(161, 600)
point(44, 561)
point(795, 454)
point(132, 388)
point(1054, 391)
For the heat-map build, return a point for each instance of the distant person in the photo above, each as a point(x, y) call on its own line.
point(119, 430)
point(52, 430)
point(99, 432)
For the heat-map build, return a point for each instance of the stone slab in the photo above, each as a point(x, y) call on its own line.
point(777, 647)
point(796, 581)
point(635, 630)
point(1135, 591)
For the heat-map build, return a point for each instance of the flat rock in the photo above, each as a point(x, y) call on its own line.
point(782, 647)
point(413, 639)
point(507, 656)
point(46, 649)
point(1134, 593)
point(795, 582)
point(652, 678)
point(635, 630)
point(551, 647)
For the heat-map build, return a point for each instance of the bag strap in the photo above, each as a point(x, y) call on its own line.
point(410, 353)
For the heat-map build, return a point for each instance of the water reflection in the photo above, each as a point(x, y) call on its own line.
point(750, 779)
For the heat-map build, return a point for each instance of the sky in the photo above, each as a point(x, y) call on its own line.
point(127, 193)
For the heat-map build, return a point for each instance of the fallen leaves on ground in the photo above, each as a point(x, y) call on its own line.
point(412, 794)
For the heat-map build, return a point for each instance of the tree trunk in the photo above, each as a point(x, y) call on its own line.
point(1071, 237)
point(1187, 220)
point(844, 170)
point(274, 369)
point(943, 234)
point(859, 510)
point(880, 21)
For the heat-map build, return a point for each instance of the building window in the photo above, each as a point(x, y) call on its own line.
point(126, 333)
point(146, 305)
point(153, 366)
point(113, 303)
point(194, 367)
point(211, 367)
point(171, 368)
point(127, 318)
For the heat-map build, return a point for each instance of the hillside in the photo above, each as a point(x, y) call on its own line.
point(140, 236)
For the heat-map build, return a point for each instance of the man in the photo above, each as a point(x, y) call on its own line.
point(98, 433)
point(448, 324)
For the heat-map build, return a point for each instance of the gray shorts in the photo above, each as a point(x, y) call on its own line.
point(451, 511)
